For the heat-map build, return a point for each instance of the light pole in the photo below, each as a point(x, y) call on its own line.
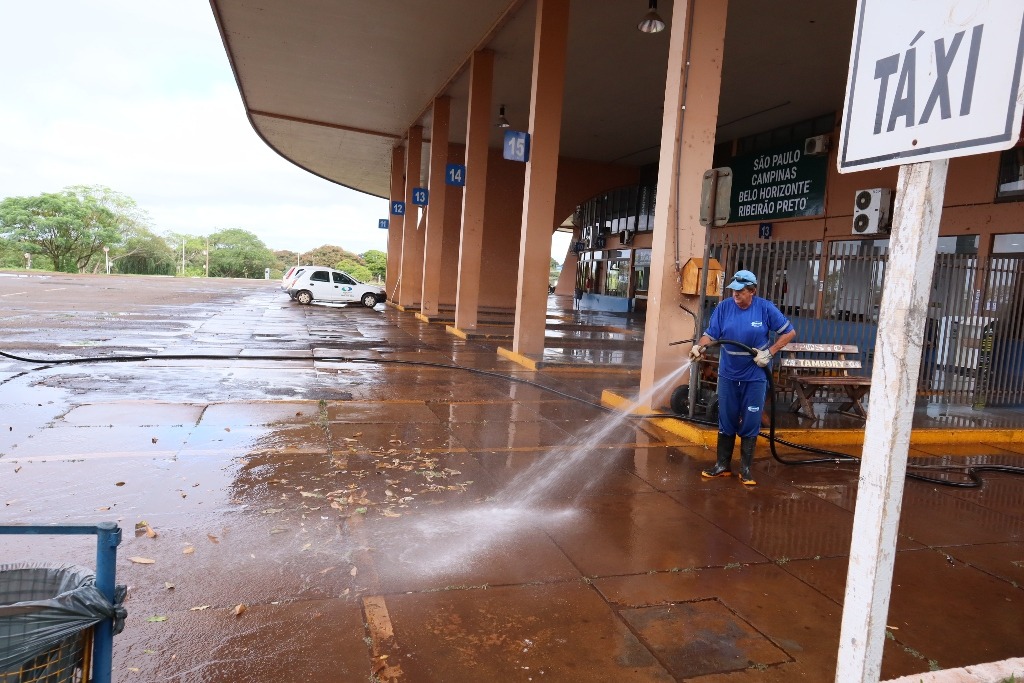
point(207, 255)
point(28, 261)
point(106, 257)
point(183, 257)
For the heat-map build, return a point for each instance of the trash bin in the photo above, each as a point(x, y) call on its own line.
point(46, 617)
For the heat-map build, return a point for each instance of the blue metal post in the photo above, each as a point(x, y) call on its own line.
point(108, 537)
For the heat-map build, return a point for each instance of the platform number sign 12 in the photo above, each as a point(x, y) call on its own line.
point(419, 196)
point(455, 174)
point(398, 208)
point(517, 146)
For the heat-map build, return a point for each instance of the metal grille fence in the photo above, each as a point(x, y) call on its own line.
point(973, 350)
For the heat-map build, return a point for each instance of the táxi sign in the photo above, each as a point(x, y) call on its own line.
point(779, 183)
point(932, 79)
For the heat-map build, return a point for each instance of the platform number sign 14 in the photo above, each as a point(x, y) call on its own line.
point(398, 208)
point(517, 146)
point(455, 174)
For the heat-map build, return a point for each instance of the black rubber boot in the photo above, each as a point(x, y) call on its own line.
point(747, 444)
point(721, 468)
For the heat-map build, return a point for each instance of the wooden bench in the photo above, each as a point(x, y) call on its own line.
point(809, 369)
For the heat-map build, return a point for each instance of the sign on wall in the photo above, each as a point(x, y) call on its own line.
point(779, 183)
point(398, 208)
point(420, 196)
point(383, 223)
point(932, 79)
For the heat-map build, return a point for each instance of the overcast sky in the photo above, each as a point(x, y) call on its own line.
point(137, 95)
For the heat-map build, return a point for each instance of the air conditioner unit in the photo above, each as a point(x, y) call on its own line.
point(816, 146)
point(872, 211)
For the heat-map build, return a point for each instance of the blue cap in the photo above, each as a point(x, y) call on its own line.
point(742, 278)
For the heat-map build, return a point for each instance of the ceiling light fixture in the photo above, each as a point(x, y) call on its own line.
point(652, 21)
point(502, 121)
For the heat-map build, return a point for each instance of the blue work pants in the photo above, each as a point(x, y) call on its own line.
point(740, 405)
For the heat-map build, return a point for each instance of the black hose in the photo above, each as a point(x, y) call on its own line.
point(972, 473)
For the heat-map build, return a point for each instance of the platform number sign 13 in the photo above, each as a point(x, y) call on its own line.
point(517, 146)
point(419, 196)
point(764, 231)
point(398, 208)
point(455, 174)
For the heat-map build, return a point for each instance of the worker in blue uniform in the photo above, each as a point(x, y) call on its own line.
point(742, 384)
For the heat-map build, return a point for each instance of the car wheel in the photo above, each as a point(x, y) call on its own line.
point(369, 299)
point(304, 297)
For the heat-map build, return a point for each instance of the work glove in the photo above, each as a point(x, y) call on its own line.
point(696, 352)
point(763, 358)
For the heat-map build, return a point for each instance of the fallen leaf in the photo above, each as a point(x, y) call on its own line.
point(149, 652)
point(198, 609)
point(389, 513)
point(139, 526)
point(273, 511)
point(103, 509)
point(168, 585)
point(306, 547)
point(17, 469)
point(213, 539)
point(120, 483)
point(354, 571)
point(141, 560)
point(134, 669)
point(154, 439)
point(188, 551)
point(150, 533)
point(227, 429)
point(239, 610)
point(157, 619)
point(345, 592)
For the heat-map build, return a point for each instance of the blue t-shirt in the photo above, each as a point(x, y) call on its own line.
point(750, 327)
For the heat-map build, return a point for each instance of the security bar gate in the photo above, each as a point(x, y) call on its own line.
point(973, 350)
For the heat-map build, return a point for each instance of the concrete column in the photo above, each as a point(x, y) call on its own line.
point(409, 290)
point(395, 225)
point(434, 237)
point(687, 149)
point(478, 132)
point(551, 36)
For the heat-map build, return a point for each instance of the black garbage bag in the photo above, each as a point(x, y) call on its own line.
point(41, 605)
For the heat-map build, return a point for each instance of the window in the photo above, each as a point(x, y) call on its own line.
point(320, 276)
point(1011, 174)
point(342, 279)
point(616, 277)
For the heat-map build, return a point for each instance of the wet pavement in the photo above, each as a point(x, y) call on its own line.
point(332, 501)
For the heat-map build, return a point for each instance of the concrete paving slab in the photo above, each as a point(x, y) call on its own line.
point(946, 614)
point(523, 633)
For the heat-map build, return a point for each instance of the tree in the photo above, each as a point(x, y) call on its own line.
point(327, 255)
point(377, 262)
point(68, 229)
point(144, 253)
point(554, 271)
point(355, 269)
point(238, 253)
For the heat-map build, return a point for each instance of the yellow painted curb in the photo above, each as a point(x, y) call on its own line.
point(451, 329)
point(527, 363)
point(821, 438)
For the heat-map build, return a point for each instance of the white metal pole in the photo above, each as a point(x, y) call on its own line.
point(897, 360)
point(183, 257)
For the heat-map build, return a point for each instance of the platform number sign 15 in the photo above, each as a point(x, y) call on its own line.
point(517, 146)
point(419, 196)
point(455, 174)
point(398, 208)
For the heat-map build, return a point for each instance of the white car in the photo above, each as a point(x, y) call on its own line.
point(317, 283)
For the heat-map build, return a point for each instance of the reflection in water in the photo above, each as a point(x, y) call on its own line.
point(439, 545)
